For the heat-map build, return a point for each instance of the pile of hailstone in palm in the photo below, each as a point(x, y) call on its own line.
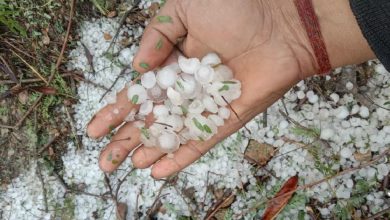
point(180, 96)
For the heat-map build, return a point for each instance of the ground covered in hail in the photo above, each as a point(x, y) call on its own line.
point(333, 132)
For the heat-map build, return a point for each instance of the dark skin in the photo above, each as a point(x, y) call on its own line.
point(262, 41)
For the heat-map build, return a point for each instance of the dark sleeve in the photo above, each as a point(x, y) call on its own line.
point(373, 17)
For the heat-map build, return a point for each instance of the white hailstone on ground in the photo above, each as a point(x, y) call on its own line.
point(349, 85)
point(222, 73)
point(218, 121)
point(349, 183)
point(313, 98)
point(283, 124)
point(209, 104)
point(326, 133)
point(189, 65)
point(174, 96)
point(342, 112)
point(168, 142)
point(211, 59)
point(383, 169)
point(137, 94)
point(343, 193)
point(196, 107)
point(345, 152)
point(148, 80)
point(204, 75)
point(146, 107)
point(355, 109)
point(126, 57)
point(335, 97)
point(224, 112)
point(324, 114)
point(166, 77)
point(364, 112)
point(301, 95)
point(110, 98)
point(160, 111)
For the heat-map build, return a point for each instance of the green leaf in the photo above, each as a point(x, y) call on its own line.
point(387, 103)
point(164, 19)
point(198, 124)
point(200, 138)
point(114, 162)
point(145, 133)
point(180, 84)
point(184, 109)
point(224, 88)
point(144, 65)
point(229, 82)
point(159, 44)
point(134, 74)
point(134, 99)
point(301, 215)
point(207, 129)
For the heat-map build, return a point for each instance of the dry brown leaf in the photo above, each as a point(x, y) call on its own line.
point(111, 14)
point(23, 97)
point(228, 201)
point(107, 36)
point(363, 157)
point(45, 37)
point(259, 153)
point(121, 211)
point(280, 200)
point(47, 90)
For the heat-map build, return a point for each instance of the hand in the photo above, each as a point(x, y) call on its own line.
point(261, 40)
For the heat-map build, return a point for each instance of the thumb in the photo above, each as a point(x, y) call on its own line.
point(160, 36)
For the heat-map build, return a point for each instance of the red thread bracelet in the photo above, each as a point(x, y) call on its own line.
point(310, 22)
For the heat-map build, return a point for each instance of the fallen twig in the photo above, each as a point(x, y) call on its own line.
point(121, 22)
point(49, 143)
point(44, 191)
point(113, 84)
point(59, 59)
point(379, 214)
point(121, 181)
point(73, 128)
point(218, 206)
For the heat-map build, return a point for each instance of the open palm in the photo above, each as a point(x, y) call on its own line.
point(258, 39)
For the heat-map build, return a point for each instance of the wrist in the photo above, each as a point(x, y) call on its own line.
point(343, 38)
